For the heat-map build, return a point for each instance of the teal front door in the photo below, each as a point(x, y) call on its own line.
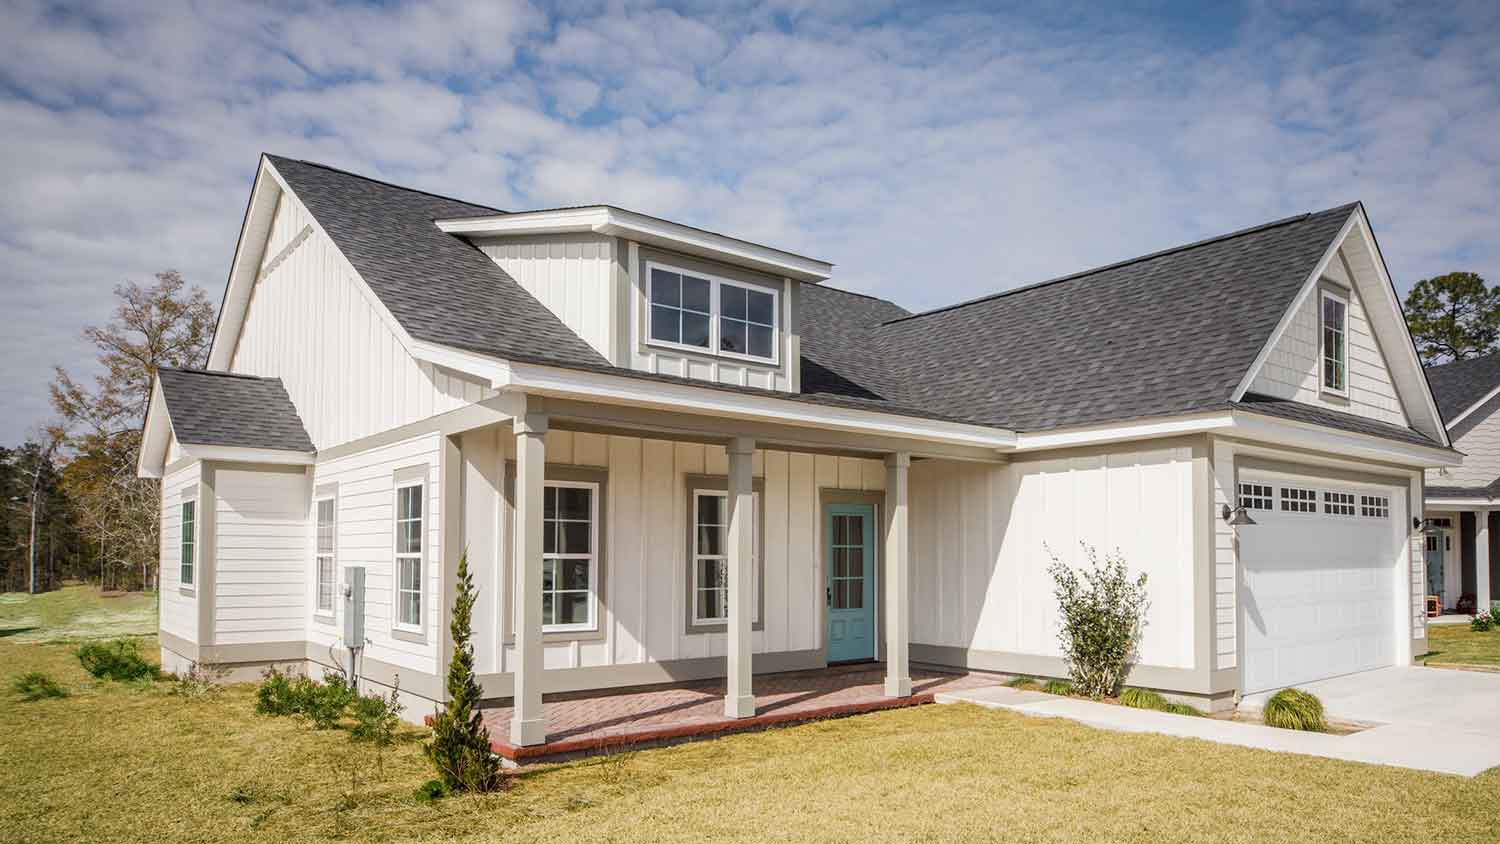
point(850, 533)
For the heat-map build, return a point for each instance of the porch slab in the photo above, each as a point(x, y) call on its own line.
point(598, 722)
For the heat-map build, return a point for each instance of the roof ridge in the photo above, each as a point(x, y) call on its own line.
point(195, 371)
point(1476, 359)
point(1296, 218)
point(330, 168)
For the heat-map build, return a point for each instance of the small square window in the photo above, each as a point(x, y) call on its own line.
point(1297, 500)
point(1256, 496)
point(1338, 503)
point(1375, 506)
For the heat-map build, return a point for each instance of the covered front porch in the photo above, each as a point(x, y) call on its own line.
point(1461, 542)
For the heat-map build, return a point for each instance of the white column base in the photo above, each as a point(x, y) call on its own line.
point(898, 687)
point(739, 707)
point(528, 732)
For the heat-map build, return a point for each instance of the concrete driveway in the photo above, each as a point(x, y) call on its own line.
point(1436, 718)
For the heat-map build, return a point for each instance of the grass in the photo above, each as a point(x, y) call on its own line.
point(1295, 709)
point(75, 612)
point(1456, 644)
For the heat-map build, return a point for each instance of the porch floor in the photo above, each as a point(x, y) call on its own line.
point(594, 722)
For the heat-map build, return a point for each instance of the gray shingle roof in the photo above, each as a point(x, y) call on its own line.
point(217, 408)
point(1299, 412)
point(1458, 384)
point(1488, 491)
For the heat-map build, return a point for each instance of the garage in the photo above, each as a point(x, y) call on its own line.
point(1321, 581)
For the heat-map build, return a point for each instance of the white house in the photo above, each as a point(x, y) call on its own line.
point(1463, 502)
point(674, 454)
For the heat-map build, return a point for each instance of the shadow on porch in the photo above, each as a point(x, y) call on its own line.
point(583, 723)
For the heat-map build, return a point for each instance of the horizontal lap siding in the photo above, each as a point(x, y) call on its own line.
point(179, 612)
point(263, 553)
point(311, 324)
point(983, 537)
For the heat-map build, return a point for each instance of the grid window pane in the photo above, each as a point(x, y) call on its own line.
point(575, 575)
point(666, 324)
point(569, 557)
point(572, 608)
point(325, 584)
point(189, 546)
point(732, 301)
point(666, 288)
point(574, 502)
point(760, 341)
point(696, 294)
point(713, 604)
point(762, 308)
point(732, 336)
point(411, 608)
point(694, 329)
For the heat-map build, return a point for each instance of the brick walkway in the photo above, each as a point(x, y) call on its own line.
point(583, 723)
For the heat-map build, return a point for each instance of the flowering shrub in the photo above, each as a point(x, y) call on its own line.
point(1102, 616)
point(1481, 623)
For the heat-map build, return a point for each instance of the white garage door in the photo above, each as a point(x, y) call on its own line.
point(1318, 591)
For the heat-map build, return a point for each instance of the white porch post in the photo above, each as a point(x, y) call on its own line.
point(897, 573)
point(526, 726)
point(739, 701)
point(1481, 561)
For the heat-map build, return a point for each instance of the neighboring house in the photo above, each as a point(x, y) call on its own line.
point(670, 454)
point(1463, 534)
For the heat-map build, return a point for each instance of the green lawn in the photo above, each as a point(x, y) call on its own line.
point(1456, 644)
point(75, 612)
point(119, 763)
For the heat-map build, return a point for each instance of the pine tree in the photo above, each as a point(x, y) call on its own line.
point(460, 746)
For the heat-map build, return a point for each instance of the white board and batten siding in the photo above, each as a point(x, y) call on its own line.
point(1293, 368)
point(179, 608)
point(365, 535)
point(983, 537)
point(311, 323)
point(573, 275)
point(261, 554)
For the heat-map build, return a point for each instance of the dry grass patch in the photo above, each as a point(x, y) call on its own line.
point(115, 763)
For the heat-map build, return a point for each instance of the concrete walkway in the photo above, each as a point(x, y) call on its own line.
point(1421, 746)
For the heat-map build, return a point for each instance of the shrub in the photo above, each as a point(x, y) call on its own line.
point(1183, 709)
point(275, 694)
point(1294, 709)
point(1481, 622)
point(376, 720)
point(1102, 616)
point(460, 746)
point(1022, 682)
point(324, 703)
point(431, 791)
point(1058, 687)
point(118, 659)
point(35, 685)
point(1144, 699)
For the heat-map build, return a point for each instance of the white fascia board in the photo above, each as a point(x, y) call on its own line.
point(1286, 432)
point(490, 369)
point(619, 389)
point(156, 433)
point(240, 454)
point(1473, 407)
point(1432, 504)
point(1145, 429)
point(244, 268)
point(617, 222)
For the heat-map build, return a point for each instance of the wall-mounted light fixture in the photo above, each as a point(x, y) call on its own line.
point(1238, 517)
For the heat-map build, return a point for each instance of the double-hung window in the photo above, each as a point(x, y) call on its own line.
point(323, 554)
point(189, 545)
point(704, 313)
point(711, 557)
point(1335, 342)
point(570, 555)
point(409, 543)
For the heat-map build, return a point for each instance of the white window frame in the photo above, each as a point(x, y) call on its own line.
point(1375, 506)
point(1302, 500)
point(319, 612)
point(702, 621)
point(398, 557)
point(1256, 495)
point(1340, 503)
point(187, 549)
point(592, 624)
point(715, 314)
point(1343, 389)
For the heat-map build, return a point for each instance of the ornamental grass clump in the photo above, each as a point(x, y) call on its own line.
point(1294, 709)
point(1102, 615)
point(460, 746)
point(35, 685)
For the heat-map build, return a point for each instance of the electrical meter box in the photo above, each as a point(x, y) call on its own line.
point(354, 606)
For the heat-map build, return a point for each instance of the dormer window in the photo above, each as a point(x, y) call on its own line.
point(1335, 319)
point(704, 313)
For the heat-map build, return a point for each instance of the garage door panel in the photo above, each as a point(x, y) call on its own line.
point(1317, 590)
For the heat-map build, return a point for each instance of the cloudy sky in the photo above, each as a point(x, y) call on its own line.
point(933, 153)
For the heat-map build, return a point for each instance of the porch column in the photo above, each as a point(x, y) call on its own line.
point(526, 727)
point(897, 573)
point(739, 701)
point(1481, 561)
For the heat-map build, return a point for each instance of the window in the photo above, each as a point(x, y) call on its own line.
point(1294, 500)
point(1443, 522)
point(323, 554)
point(700, 312)
point(1338, 503)
point(1255, 497)
point(570, 556)
point(711, 557)
point(1375, 506)
point(1335, 343)
point(409, 555)
point(189, 542)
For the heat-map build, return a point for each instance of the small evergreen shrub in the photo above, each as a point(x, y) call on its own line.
point(376, 719)
point(460, 746)
point(274, 696)
point(1058, 687)
point(1102, 615)
point(1144, 699)
point(1481, 623)
point(35, 685)
point(1294, 709)
point(117, 659)
point(324, 703)
point(431, 791)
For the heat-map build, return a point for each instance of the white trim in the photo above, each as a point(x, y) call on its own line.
point(320, 614)
point(241, 454)
point(755, 550)
point(1436, 504)
point(618, 222)
point(592, 625)
point(1319, 438)
point(156, 435)
point(715, 313)
point(397, 557)
point(1142, 430)
point(1323, 387)
point(184, 564)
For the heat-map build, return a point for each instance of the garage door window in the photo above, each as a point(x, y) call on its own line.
point(1338, 503)
point(1256, 497)
point(1375, 506)
point(1294, 500)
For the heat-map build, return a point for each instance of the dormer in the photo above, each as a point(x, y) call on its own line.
point(656, 296)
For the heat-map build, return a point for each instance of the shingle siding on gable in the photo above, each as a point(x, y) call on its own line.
point(1291, 371)
point(311, 325)
point(1481, 448)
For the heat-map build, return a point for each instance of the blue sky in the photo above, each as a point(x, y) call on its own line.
point(933, 152)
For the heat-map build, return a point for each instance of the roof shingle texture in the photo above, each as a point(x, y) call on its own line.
point(217, 408)
point(1297, 411)
point(1457, 385)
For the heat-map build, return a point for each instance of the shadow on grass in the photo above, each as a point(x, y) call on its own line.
point(6, 632)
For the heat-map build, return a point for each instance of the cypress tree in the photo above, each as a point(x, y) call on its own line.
point(460, 746)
